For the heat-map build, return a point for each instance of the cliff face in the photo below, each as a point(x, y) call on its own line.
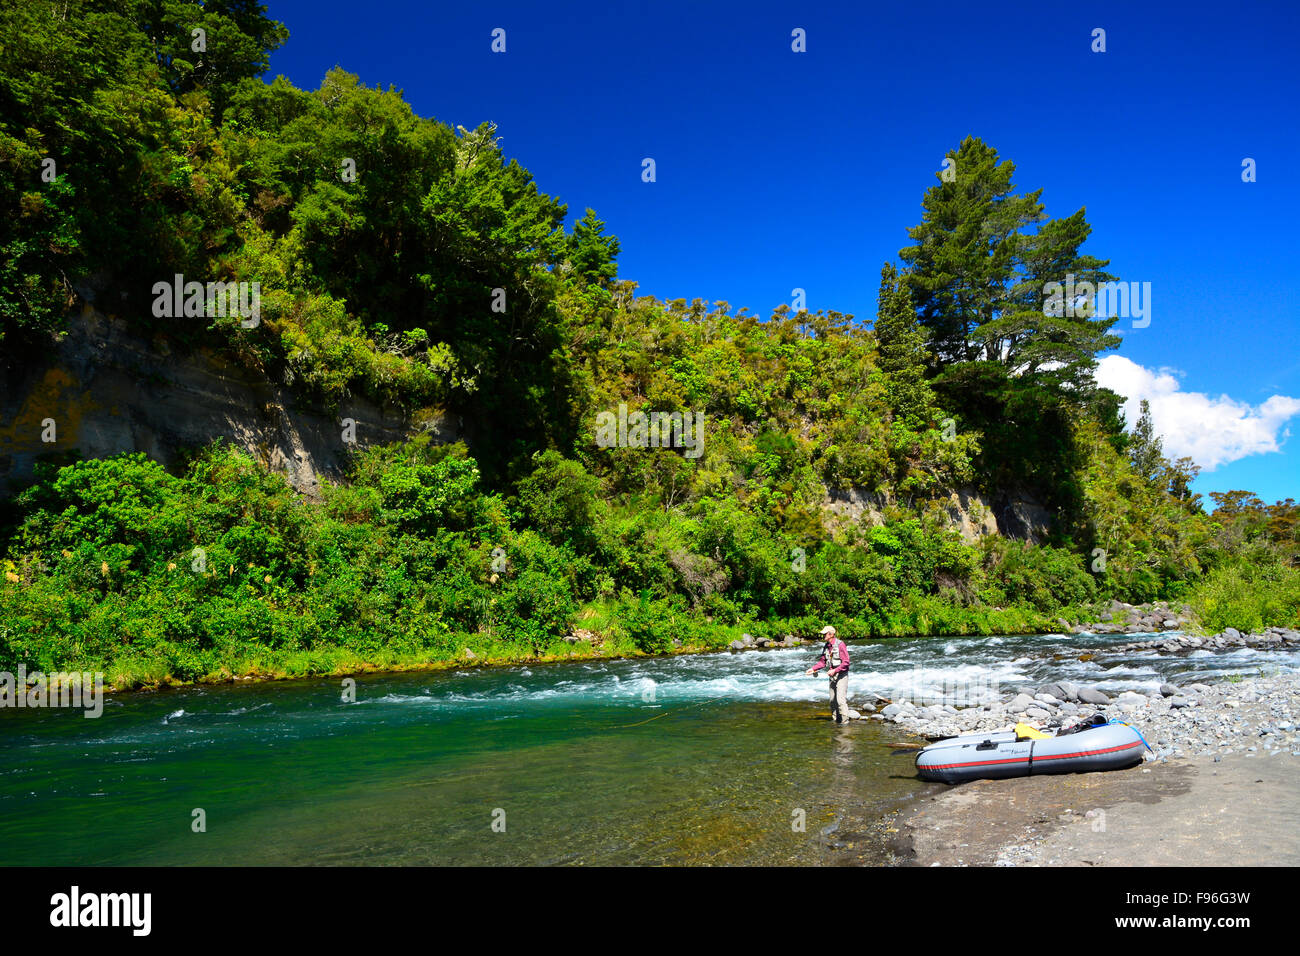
point(1013, 515)
point(105, 390)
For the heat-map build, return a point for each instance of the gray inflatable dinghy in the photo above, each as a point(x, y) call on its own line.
point(995, 756)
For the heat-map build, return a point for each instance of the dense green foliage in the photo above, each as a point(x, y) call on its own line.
point(414, 264)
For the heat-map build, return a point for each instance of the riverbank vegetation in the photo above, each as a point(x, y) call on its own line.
point(839, 459)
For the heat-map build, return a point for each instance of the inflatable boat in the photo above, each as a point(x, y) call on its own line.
point(1111, 746)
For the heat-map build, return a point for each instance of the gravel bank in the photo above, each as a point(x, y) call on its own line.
point(1238, 811)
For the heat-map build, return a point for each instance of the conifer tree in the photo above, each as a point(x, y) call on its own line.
point(1146, 450)
point(592, 253)
point(902, 347)
point(977, 273)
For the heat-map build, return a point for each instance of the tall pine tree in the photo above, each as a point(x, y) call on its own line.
point(982, 257)
point(903, 353)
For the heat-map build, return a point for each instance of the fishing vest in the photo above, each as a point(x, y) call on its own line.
point(833, 655)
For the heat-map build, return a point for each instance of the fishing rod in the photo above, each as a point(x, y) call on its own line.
point(699, 703)
point(693, 706)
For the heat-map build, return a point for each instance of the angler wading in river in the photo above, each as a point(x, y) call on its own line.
point(835, 658)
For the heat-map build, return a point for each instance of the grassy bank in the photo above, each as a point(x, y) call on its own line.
point(1248, 598)
point(1245, 598)
point(603, 637)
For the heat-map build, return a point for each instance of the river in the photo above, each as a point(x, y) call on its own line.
point(701, 759)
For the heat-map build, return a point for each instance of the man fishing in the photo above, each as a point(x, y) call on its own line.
point(835, 658)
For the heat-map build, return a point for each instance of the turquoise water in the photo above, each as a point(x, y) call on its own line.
point(683, 760)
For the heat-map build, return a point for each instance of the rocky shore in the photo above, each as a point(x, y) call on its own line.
point(1273, 637)
point(1175, 720)
point(1122, 618)
point(747, 642)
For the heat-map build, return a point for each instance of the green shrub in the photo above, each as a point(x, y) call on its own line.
point(1248, 597)
point(651, 625)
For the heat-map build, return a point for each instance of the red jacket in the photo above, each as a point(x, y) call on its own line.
point(844, 658)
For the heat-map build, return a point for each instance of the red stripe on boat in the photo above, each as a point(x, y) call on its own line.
point(1088, 753)
point(975, 763)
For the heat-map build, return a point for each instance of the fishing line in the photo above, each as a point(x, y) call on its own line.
point(677, 710)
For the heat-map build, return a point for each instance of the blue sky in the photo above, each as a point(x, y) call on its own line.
point(778, 170)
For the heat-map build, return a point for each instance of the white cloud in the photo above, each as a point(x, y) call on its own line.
point(1210, 431)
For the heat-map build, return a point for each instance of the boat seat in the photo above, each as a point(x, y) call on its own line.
point(1026, 732)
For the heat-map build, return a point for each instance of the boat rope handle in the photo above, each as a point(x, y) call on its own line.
point(1135, 730)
